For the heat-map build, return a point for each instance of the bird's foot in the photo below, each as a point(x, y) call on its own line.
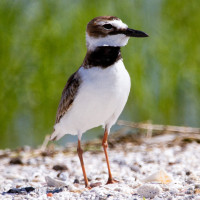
point(88, 187)
point(112, 181)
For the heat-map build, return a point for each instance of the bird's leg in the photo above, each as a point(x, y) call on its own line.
point(105, 146)
point(80, 155)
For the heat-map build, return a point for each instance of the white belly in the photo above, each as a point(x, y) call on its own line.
point(100, 100)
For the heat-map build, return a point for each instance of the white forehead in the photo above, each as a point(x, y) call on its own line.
point(116, 23)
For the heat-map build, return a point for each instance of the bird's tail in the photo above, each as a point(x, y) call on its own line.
point(56, 135)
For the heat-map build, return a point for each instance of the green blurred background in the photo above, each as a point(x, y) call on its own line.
point(43, 42)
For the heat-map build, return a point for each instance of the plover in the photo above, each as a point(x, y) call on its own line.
point(97, 92)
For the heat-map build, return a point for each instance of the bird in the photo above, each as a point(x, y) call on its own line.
point(97, 92)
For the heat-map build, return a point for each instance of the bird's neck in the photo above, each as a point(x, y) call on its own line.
point(103, 56)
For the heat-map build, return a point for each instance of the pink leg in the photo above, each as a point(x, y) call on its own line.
point(80, 155)
point(105, 146)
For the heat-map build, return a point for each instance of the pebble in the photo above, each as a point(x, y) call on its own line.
point(54, 183)
point(62, 176)
point(197, 191)
point(95, 184)
point(60, 167)
point(76, 181)
point(197, 186)
point(49, 194)
point(169, 198)
point(129, 167)
point(187, 173)
point(16, 161)
point(57, 190)
point(149, 190)
point(20, 190)
point(135, 168)
point(174, 191)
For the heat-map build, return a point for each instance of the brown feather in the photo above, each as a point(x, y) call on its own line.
point(68, 95)
point(96, 30)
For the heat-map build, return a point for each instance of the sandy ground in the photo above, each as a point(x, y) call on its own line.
point(156, 168)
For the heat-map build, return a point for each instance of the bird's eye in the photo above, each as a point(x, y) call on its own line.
point(107, 26)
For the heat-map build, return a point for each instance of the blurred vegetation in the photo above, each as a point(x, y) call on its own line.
point(43, 42)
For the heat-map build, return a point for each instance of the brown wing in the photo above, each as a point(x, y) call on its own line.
point(68, 95)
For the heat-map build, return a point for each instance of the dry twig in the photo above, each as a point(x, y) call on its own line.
point(157, 127)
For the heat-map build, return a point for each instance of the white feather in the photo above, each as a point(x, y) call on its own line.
point(116, 23)
point(118, 40)
point(100, 100)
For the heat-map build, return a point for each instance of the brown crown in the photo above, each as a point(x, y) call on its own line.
point(96, 30)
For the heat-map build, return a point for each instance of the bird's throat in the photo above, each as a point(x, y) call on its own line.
point(103, 57)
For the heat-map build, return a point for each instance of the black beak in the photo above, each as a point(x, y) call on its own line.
point(134, 33)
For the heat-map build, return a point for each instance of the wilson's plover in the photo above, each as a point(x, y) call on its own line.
point(98, 91)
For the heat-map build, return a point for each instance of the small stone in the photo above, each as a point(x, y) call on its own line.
point(197, 191)
point(57, 190)
point(89, 178)
point(170, 198)
point(188, 198)
point(62, 176)
point(187, 173)
point(16, 161)
point(60, 167)
point(149, 190)
point(13, 176)
point(188, 192)
point(158, 198)
point(120, 161)
point(95, 184)
point(72, 188)
point(49, 194)
point(76, 181)
point(15, 191)
point(171, 163)
point(189, 182)
point(29, 189)
point(135, 168)
point(48, 153)
point(54, 183)
point(21, 190)
point(197, 186)
point(174, 191)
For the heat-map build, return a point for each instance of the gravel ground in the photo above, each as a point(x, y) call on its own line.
point(155, 169)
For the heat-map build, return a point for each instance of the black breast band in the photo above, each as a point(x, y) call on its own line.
point(102, 57)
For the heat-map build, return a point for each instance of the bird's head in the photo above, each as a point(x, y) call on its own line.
point(109, 31)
